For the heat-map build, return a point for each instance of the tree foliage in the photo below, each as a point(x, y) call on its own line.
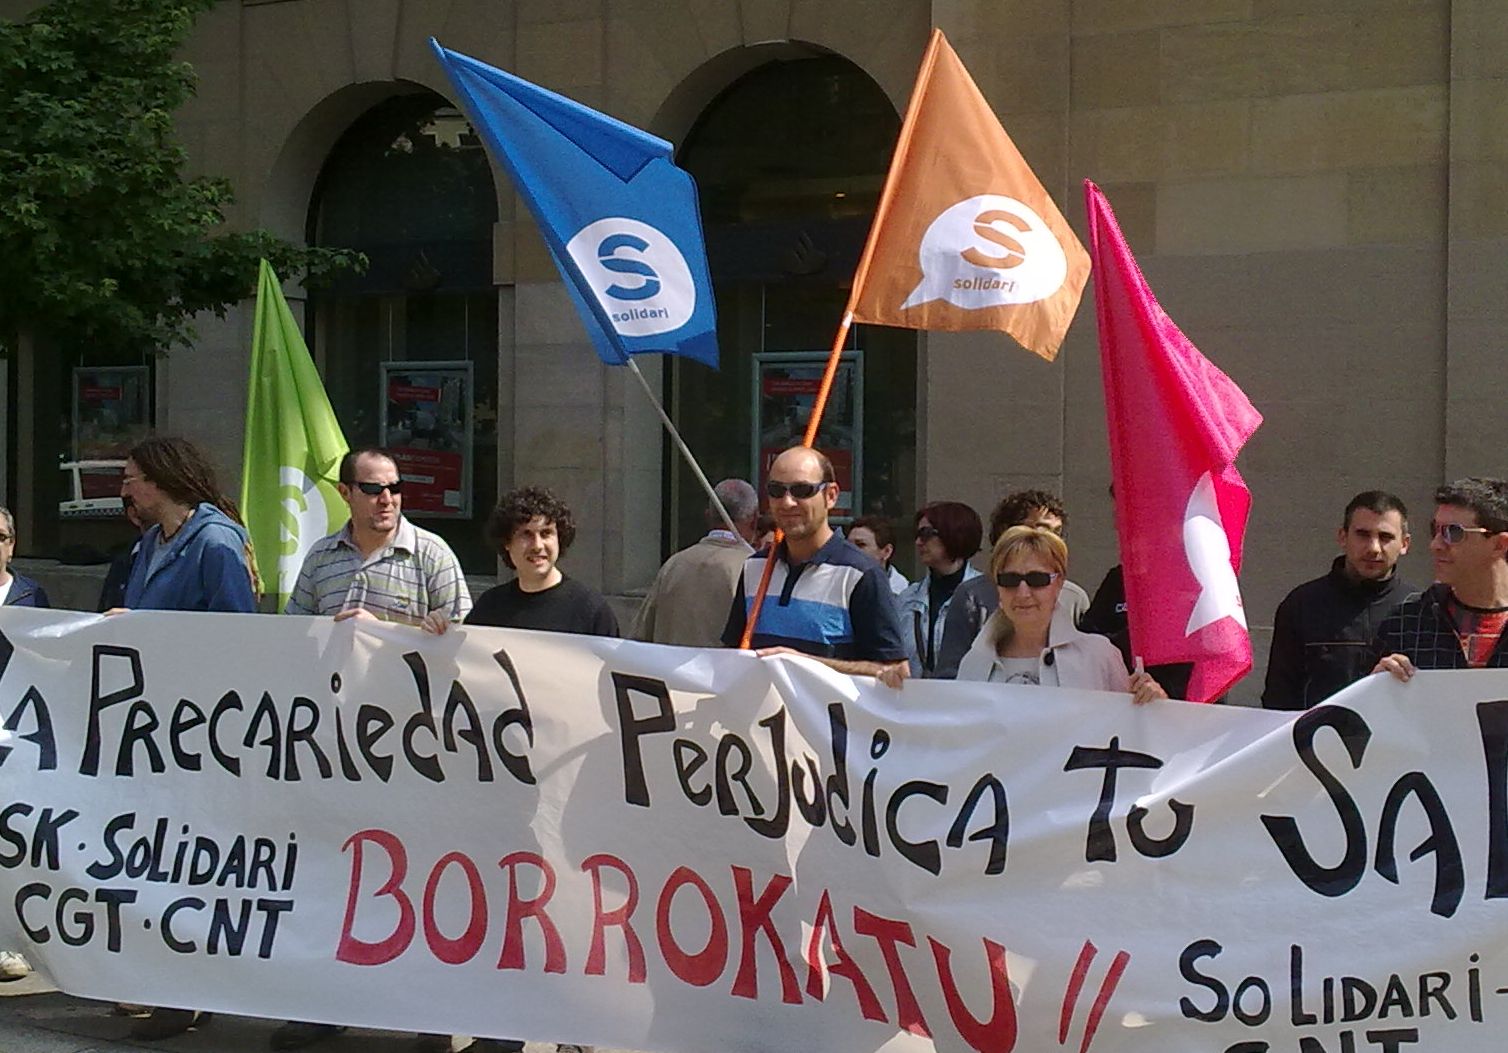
point(102, 239)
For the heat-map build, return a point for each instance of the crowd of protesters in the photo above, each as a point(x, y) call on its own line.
point(836, 598)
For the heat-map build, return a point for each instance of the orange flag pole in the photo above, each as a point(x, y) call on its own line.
point(887, 196)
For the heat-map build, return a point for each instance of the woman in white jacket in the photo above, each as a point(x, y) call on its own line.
point(1025, 643)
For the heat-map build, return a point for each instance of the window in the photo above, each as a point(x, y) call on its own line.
point(789, 161)
point(409, 185)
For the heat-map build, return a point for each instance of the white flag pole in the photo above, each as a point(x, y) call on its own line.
point(680, 443)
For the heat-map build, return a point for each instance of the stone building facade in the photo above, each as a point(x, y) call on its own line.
point(1314, 188)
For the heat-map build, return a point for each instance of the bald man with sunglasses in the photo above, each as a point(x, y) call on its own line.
point(379, 565)
point(827, 599)
point(1459, 621)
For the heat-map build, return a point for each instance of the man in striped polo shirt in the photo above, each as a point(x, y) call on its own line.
point(827, 599)
point(379, 565)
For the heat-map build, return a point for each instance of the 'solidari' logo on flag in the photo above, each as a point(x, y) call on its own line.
point(965, 235)
point(988, 251)
point(621, 221)
point(640, 277)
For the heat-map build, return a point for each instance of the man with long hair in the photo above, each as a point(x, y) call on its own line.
point(194, 554)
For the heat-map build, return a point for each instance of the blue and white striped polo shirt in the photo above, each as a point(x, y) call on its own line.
point(835, 605)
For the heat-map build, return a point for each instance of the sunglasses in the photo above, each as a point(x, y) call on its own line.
point(926, 533)
point(373, 489)
point(1455, 533)
point(800, 491)
point(1035, 579)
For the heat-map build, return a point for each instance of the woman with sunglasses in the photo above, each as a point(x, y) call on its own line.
point(947, 534)
point(1024, 643)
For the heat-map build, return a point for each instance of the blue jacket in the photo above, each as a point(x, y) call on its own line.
point(25, 593)
point(203, 567)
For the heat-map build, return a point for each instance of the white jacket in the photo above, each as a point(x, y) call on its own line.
point(1081, 660)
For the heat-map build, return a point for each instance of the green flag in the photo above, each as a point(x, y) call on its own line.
point(293, 446)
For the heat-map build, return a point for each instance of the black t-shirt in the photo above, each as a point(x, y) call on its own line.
point(569, 607)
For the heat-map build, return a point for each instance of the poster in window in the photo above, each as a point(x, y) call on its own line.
point(427, 425)
point(111, 411)
point(787, 390)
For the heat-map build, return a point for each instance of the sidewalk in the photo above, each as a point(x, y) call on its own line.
point(35, 1018)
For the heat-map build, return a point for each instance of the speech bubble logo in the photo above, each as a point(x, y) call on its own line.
point(640, 277)
point(988, 251)
point(307, 513)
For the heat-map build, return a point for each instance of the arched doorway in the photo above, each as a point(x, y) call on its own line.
point(409, 349)
point(790, 159)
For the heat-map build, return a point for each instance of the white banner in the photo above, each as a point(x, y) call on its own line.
point(558, 838)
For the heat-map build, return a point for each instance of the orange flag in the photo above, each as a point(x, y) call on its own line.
point(966, 236)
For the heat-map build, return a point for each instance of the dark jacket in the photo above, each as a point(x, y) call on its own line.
point(113, 592)
point(25, 593)
point(202, 568)
point(1322, 636)
point(1107, 616)
point(1422, 629)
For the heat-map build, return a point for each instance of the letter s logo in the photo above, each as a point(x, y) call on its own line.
point(1015, 253)
point(657, 296)
point(610, 260)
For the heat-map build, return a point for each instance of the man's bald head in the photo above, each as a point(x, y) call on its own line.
point(805, 463)
point(801, 490)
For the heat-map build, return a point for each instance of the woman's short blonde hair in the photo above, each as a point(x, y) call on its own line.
point(1049, 547)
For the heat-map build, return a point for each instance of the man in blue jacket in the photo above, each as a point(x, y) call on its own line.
point(194, 555)
point(16, 590)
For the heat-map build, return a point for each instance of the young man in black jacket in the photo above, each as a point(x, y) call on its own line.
point(1323, 632)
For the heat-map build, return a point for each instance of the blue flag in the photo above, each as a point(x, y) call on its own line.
point(620, 219)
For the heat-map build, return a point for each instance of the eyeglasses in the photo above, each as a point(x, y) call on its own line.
point(1035, 579)
point(800, 491)
point(1455, 533)
point(373, 489)
point(926, 533)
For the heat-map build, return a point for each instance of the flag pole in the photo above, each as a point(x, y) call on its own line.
point(861, 273)
point(680, 444)
point(812, 423)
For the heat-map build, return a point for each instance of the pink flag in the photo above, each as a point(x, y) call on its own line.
point(1176, 424)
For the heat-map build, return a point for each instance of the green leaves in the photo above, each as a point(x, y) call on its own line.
point(106, 243)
